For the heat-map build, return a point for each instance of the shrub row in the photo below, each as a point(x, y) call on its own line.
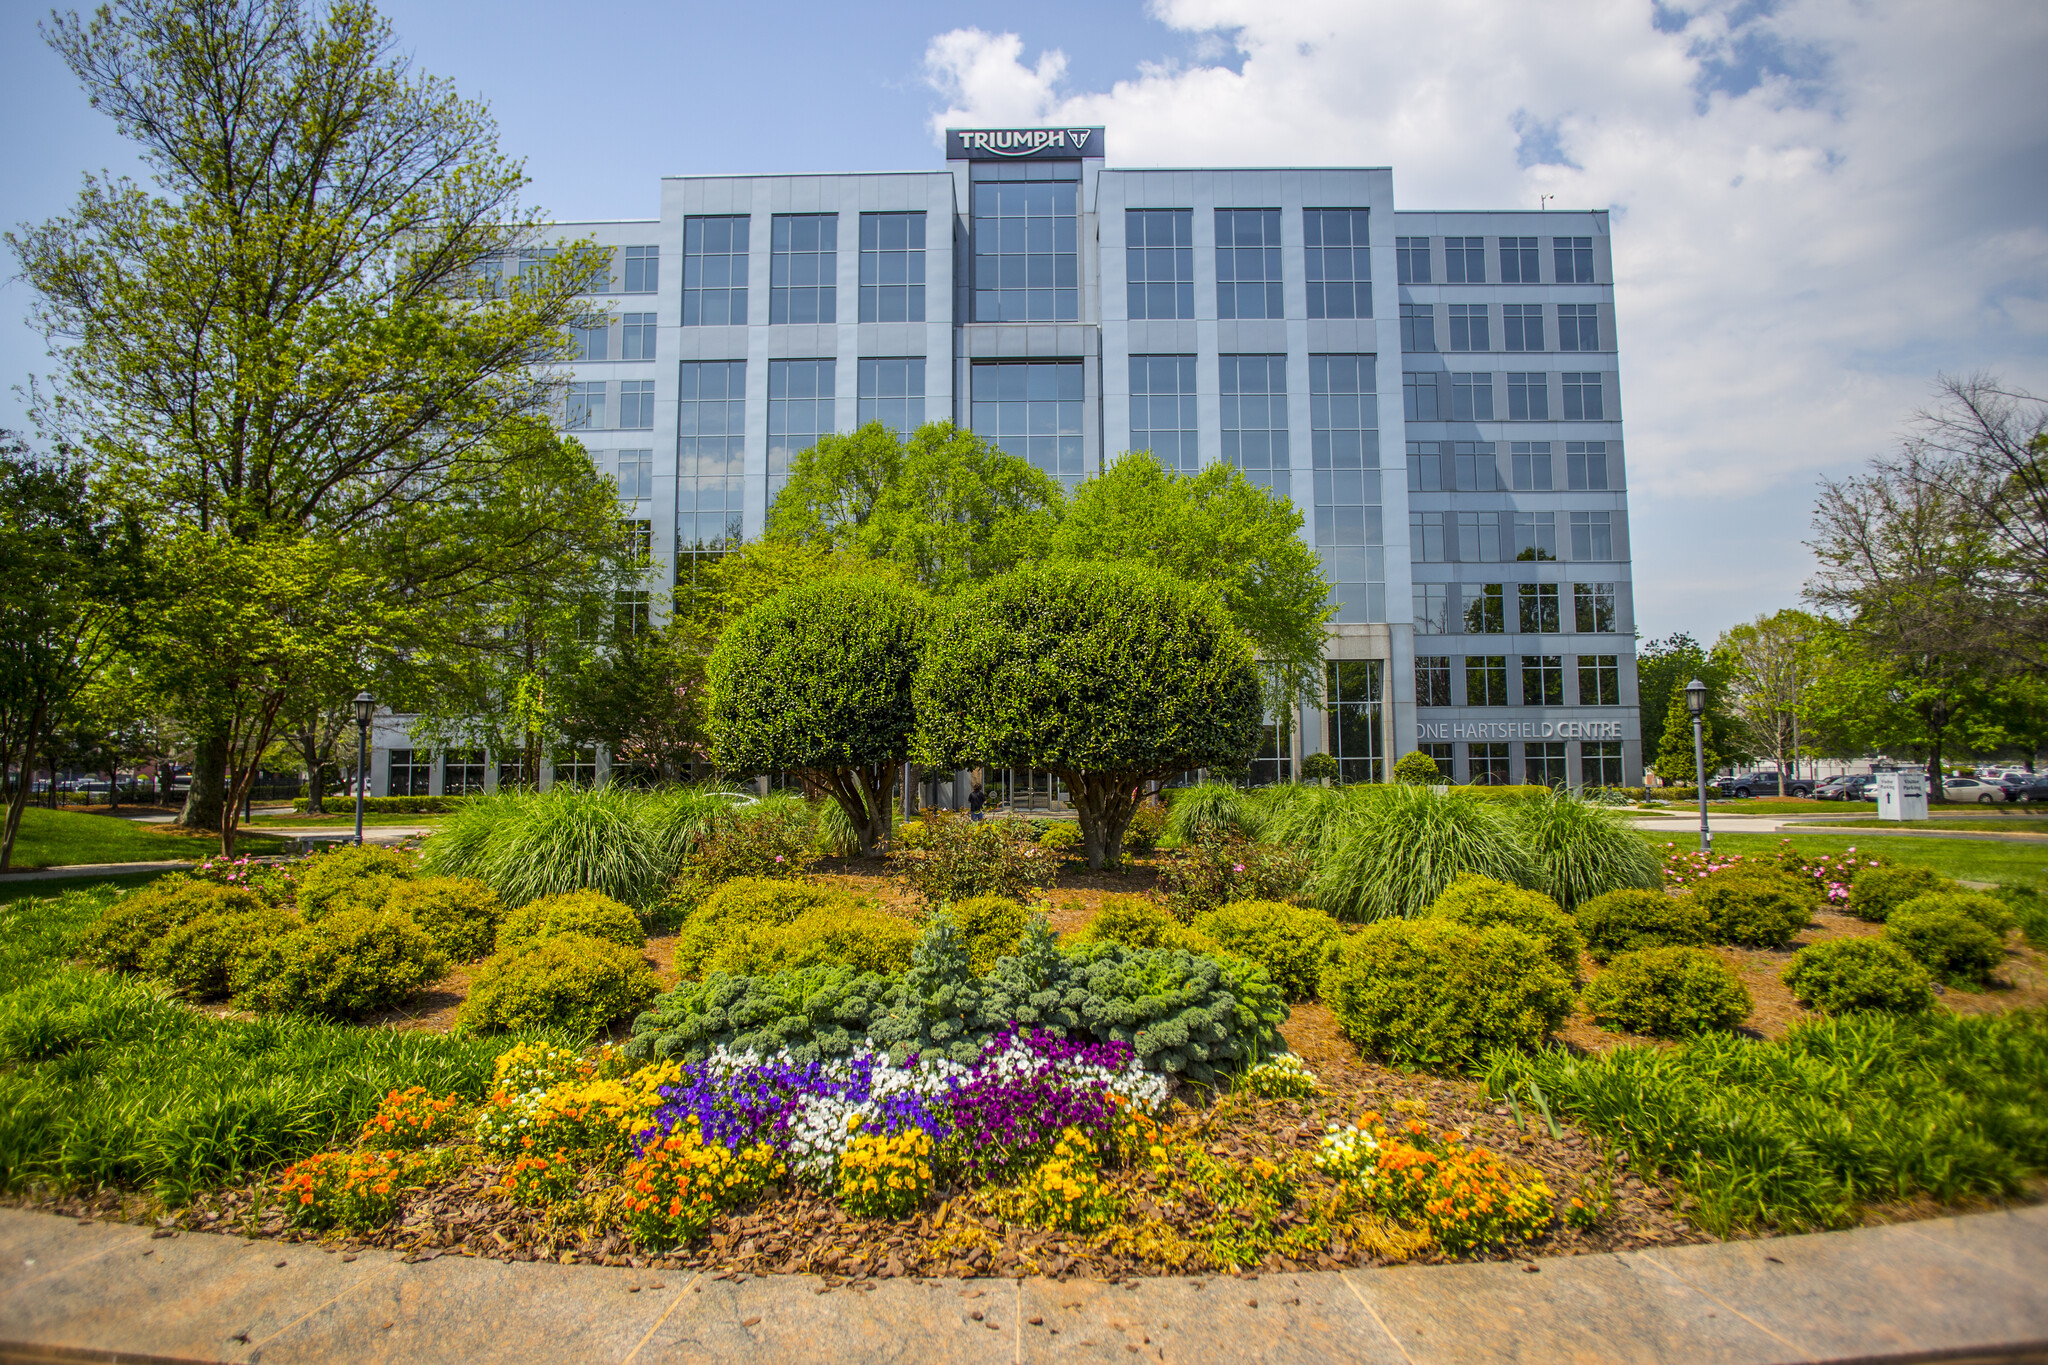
point(387, 805)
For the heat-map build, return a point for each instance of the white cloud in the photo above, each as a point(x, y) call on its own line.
point(1817, 203)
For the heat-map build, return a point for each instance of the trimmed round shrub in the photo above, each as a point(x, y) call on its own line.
point(1134, 922)
point(125, 930)
point(1438, 994)
point(572, 982)
point(992, 927)
point(1628, 921)
point(1877, 891)
point(1750, 912)
point(350, 963)
point(591, 913)
point(1290, 942)
point(352, 878)
point(1845, 975)
point(198, 956)
point(1989, 911)
point(856, 936)
point(1482, 902)
point(742, 904)
point(1947, 942)
point(1668, 993)
point(459, 913)
point(1418, 769)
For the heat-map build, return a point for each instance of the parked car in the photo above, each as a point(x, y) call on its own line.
point(1972, 789)
point(2025, 787)
point(1854, 787)
point(1744, 785)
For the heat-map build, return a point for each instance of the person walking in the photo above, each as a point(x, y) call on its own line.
point(976, 799)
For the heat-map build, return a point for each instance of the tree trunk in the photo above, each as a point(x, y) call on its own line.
point(1105, 804)
point(316, 777)
point(209, 780)
point(19, 800)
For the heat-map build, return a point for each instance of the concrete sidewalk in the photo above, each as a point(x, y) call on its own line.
point(1954, 1289)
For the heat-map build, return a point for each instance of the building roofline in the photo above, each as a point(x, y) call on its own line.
point(790, 175)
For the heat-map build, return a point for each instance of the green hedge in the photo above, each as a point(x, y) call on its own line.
point(387, 805)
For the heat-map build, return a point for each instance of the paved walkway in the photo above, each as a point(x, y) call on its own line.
point(1955, 1289)
point(305, 838)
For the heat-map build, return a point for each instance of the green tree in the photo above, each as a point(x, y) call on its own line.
point(726, 586)
point(1674, 748)
point(942, 502)
point(817, 681)
point(1663, 668)
point(72, 574)
point(643, 699)
point(1218, 528)
point(307, 327)
point(1768, 667)
point(1110, 675)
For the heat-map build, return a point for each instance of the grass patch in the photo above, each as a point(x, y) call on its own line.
point(1772, 805)
point(1974, 860)
point(107, 1081)
point(2004, 824)
point(1840, 1115)
point(56, 838)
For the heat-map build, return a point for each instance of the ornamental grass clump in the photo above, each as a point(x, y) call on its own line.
point(1625, 921)
point(527, 845)
point(1481, 902)
point(1668, 993)
point(1578, 850)
point(1209, 810)
point(1849, 975)
point(1400, 847)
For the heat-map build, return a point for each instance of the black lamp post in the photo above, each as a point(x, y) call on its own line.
point(364, 706)
point(1696, 702)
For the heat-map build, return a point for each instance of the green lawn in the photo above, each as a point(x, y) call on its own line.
point(2007, 824)
point(54, 838)
point(342, 818)
point(1977, 860)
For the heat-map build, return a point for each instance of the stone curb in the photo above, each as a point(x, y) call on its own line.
point(1955, 1289)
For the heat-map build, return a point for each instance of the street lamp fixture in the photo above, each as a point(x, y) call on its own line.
point(365, 706)
point(1696, 702)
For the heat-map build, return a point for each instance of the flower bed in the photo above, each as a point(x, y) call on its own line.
point(1684, 867)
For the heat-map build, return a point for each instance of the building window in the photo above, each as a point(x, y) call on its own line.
point(511, 775)
point(462, 772)
point(636, 474)
point(1474, 467)
point(575, 767)
point(1163, 409)
point(533, 260)
point(643, 269)
point(1523, 323)
point(585, 406)
point(1419, 396)
point(638, 533)
point(1411, 260)
point(1486, 680)
point(1159, 262)
point(714, 272)
point(1535, 535)
point(631, 607)
point(1339, 263)
point(1543, 764)
point(1479, 537)
point(1469, 330)
point(1465, 260)
point(1486, 610)
point(1356, 689)
point(1432, 608)
point(1585, 464)
point(1274, 761)
point(591, 342)
point(1600, 763)
point(1428, 537)
point(1593, 608)
point(639, 337)
point(1518, 261)
point(1425, 467)
point(892, 268)
point(411, 773)
point(1592, 535)
point(1433, 680)
point(711, 425)
point(1599, 680)
point(1418, 328)
point(1574, 258)
point(1032, 409)
point(1582, 397)
point(1444, 756)
point(1531, 460)
point(803, 268)
point(636, 404)
point(1248, 264)
point(892, 392)
point(1027, 266)
point(799, 412)
point(1255, 418)
point(1487, 765)
point(1543, 680)
point(1343, 421)
point(1528, 396)
point(1471, 397)
point(1538, 608)
point(1578, 327)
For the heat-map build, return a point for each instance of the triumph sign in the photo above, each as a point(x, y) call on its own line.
point(1012, 144)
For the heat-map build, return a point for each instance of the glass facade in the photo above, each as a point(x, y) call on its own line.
point(1248, 264)
point(892, 267)
point(1163, 410)
point(1026, 234)
point(892, 393)
point(1338, 263)
point(1254, 394)
point(1032, 409)
point(799, 412)
point(803, 268)
point(1357, 739)
point(1159, 262)
point(714, 272)
point(1343, 419)
point(711, 426)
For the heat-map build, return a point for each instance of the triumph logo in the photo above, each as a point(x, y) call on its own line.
point(1011, 142)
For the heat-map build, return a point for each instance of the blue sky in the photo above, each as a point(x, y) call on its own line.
point(1818, 205)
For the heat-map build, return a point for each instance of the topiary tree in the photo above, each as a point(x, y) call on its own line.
point(817, 680)
point(1110, 675)
point(1418, 769)
point(1320, 768)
